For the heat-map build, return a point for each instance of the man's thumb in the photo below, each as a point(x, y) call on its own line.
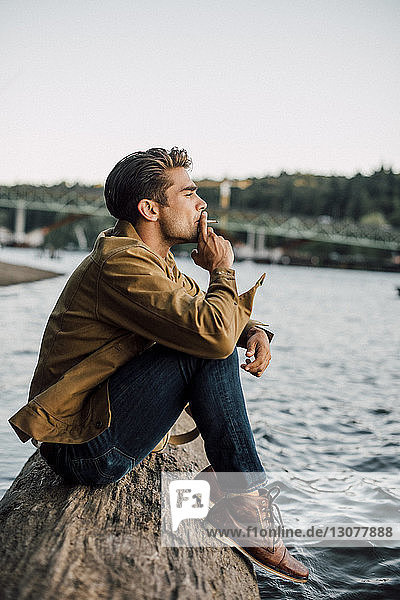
point(194, 254)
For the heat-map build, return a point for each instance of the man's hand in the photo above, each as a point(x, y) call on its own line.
point(258, 348)
point(213, 251)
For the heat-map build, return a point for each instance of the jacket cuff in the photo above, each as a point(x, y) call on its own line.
point(225, 273)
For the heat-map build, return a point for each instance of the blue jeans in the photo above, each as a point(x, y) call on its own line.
point(147, 395)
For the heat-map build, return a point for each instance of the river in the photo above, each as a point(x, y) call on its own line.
point(325, 414)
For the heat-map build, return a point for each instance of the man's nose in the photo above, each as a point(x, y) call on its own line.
point(202, 204)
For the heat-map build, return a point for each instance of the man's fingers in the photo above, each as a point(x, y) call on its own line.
point(255, 365)
point(259, 364)
point(258, 351)
point(203, 227)
point(194, 254)
point(254, 370)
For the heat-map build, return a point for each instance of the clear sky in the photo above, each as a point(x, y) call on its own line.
point(249, 87)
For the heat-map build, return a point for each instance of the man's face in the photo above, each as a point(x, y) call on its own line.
point(180, 219)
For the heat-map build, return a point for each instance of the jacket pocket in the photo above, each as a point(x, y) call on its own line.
point(101, 470)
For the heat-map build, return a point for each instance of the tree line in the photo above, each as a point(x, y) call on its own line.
point(373, 199)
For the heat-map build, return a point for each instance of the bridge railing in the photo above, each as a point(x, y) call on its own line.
point(90, 201)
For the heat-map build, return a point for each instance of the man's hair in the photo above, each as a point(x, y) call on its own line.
point(143, 174)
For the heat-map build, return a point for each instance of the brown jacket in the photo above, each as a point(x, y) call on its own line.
point(121, 299)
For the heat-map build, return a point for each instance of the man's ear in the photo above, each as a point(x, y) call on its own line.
point(148, 209)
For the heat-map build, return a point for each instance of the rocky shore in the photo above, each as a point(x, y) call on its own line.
point(11, 274)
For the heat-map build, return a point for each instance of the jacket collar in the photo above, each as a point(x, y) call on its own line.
point(126, 229)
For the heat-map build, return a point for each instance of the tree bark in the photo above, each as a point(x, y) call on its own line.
point(65, 542)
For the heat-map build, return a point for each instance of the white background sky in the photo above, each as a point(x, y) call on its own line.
point(249, 87)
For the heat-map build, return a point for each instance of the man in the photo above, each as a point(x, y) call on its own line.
point(132, 340)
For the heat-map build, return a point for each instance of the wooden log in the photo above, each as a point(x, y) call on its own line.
point(65, 542)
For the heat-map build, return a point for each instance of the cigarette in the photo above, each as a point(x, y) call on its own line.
point(211, 221)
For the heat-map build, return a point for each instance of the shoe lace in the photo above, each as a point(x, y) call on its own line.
point(271, 511)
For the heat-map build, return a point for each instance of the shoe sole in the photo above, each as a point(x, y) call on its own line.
point(231, 542)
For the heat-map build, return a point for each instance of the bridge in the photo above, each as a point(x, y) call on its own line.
point(77, 203)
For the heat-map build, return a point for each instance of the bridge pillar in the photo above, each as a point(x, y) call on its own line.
point(20, 221)
point(251, 240)
point(225, 194)
point(260, 241)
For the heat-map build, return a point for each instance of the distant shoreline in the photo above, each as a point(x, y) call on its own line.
point(11, 274)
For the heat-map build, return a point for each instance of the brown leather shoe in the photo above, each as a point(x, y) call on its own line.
point(241, 512)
